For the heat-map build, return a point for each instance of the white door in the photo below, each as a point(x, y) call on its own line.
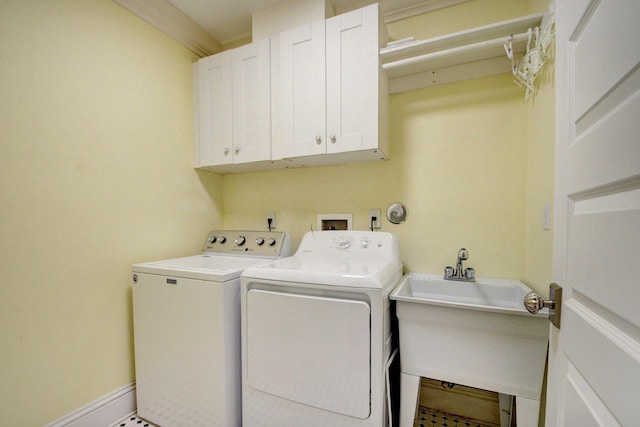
point(353, 80)
point(594, 366)
point(215, 109)
point(252, 102)
point(302, 90)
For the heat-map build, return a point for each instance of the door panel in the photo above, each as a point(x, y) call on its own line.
point(594, 359)
point(583, 408)
point(595, 270)
point(598, 64)
point(600, 353)
point(302, 87)
point(604, 142)
point(311, 350)
point(252, 102)
point(352, 81)
point(216, 98)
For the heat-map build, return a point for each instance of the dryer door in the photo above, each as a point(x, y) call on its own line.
point(309, 349)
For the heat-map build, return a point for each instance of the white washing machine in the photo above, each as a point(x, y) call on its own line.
point(186, 314)
point(316, 333)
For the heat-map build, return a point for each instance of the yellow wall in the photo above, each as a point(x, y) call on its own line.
point(458, 163)
point(95, 174)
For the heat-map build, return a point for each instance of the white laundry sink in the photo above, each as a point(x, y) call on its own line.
point(474, 333)
point(497, 295)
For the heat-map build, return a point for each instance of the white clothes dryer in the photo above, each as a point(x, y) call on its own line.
point(316, 332)
point(186, 314)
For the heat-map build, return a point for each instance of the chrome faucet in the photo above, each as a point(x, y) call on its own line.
point(460, 273)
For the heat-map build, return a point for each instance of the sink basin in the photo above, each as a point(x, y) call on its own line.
point(498, 295)
point(473, 333)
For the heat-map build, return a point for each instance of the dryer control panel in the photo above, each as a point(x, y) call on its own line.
point(360, 245)
point(274, 244)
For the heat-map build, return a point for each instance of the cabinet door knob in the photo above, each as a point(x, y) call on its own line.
point(237, 150)
point(226, 151)
point(318, 139)
point(333, 138)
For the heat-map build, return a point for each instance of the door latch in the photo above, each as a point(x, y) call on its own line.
point(534, 302)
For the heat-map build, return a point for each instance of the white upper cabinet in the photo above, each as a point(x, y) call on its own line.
point(353, 75)
point(214, 130)
point(333, 94)
point(315, 95)
point(252, 102)
point(302, 91)
point(234, 109)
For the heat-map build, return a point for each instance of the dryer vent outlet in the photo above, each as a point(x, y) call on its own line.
point(335, 221)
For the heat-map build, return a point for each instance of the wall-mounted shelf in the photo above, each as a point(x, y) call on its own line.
point(463, 55)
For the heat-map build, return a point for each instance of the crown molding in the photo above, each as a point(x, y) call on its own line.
point(176, 24)
point(172, 21)
point(391, 15)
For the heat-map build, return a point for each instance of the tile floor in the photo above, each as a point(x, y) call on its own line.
point(428, 417)
point(133, 421)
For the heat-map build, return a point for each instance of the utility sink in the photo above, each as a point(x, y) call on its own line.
point(473, 333)
point(497, 295)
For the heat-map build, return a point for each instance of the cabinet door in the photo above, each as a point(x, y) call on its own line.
point(302, 84)
point(215, 104)
point(352, 80)
point(252, 102)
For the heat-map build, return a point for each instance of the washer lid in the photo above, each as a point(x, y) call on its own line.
point(217, 268)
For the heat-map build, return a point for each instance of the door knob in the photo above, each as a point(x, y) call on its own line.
point(534, 303)
point(318, 139)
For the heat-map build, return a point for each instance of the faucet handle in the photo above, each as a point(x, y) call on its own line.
point(470, 273)
point(448, 271)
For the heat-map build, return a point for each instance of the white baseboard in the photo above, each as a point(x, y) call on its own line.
point(103, 412)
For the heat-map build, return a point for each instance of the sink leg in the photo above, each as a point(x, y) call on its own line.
point(409, 390)
point(506, 402)
point(527, 412)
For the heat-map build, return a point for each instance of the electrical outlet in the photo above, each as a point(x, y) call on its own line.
point(374, 223)
point(271, 216)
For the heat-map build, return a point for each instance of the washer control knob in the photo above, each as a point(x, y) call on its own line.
point(222, 239)
point(213, 239)
point(259, 241)
point(239, 241)
point(271, 241)
point(364, 244)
